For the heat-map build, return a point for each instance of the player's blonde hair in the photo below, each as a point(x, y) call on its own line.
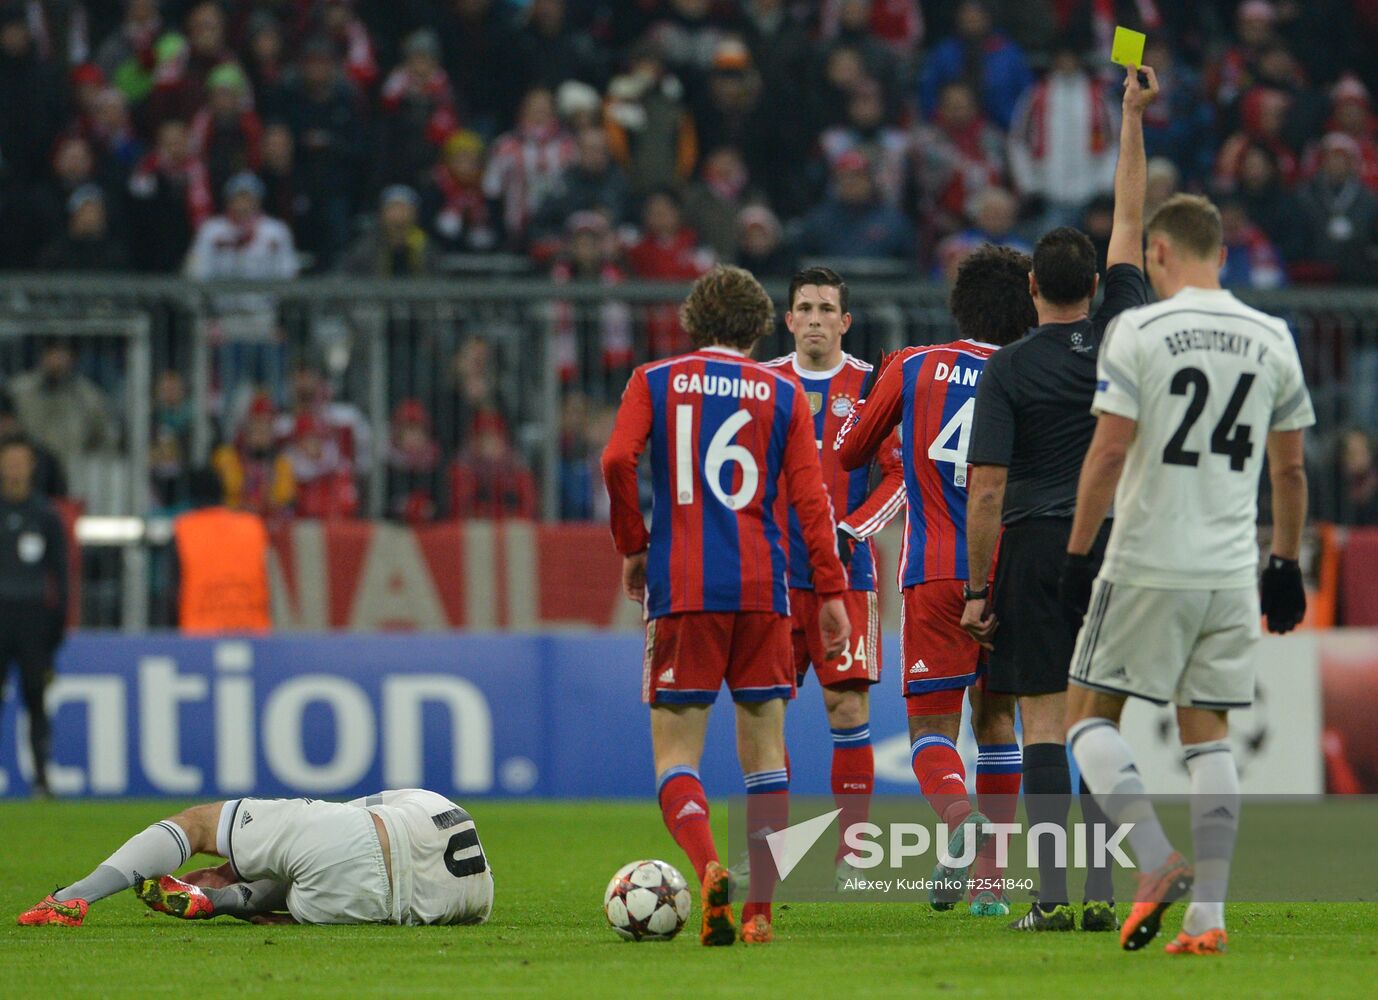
point(727, 306)
point(1191, 222)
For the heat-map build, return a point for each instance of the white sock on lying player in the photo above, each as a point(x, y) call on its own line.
point(159, 850)
point(244, 899)
point(1214, 827)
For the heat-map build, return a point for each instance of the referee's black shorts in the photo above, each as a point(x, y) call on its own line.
point(1036, 634)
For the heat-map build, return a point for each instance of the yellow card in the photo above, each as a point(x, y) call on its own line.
point(1128, 48)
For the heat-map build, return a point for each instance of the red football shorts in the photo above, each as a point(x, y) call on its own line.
point(940, 661)
point(859, 663)
point(689, 655)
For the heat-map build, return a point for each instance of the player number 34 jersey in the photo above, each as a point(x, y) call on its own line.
point(1206, 378)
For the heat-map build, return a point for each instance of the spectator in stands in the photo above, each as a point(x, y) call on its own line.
point(470, 390)
point(127, 57)
point(172, 409)
point(1262, 115)
point(593, 183)
point(689, 32)
point(170, 443)
point(577, 475)
point(227, 134)
point(1250, 259)
point(256, 473)
point(1358, 478)
point(650, 129)
point(28, 126)
point(417, 111)
point(62, 409)
point(1351, 115)
point(779, 43)
point(553, 51)
point(266, 64)
point(49, 480)
point(488, 479)
point(668, 250)
point(243, 242)
point(179, 85)
point(1307, 107)
point(483, 57)
point(713, 202)
point(323, 476)
point(414, 467)
point(170, 198)
point(994, 213)
point(461, 217)
point(955, 157)
point(590, 335)
point(979, 55)
point(329, 133)
point(886, 32)
point(760, 244)
point(527, 163)
point(74, 167)
point(1238, 66)
point(112, 131)
point(310, 393)
point(86, 243)
point(398, 247)
point(867, 130)
point(284, 196)
point(1063, 140)
point(1178, 124)
point(734, 112)
point(347, 32)
point(1341, 213)
point(853, 221)
point(1270, 206)
point(1164, 180)
point(579, 106)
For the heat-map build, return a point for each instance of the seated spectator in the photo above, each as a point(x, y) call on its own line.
point(956, 156)
point(170, 199)
point(49, 480)
point(577, 473)
point(243, 242)
point(483, 57)
point(1262, 115)
point(1250, 260)
point(284, 195)
point(112, 132)
point(1353, 116)
point(853, 221)
point(470, 389)
point(32, 113)
point(347, 31)
point(588, 335)
point(760, 245)
point(1237, 67)
point(169, 475)
point(488, 479)
point(889, 31)
point(1342, 214)
point(62, 409)
point(462, 218)
point(867, 130)
point(172, 410)
point(1358, 479)
point(1164, 181)
point(179, 84)
point(527, 163)
point(74, 167)
point(267, 64)
point(1063, 140)
point(713, 202)
point(398, 247)
point(417, 111)
point(256, 473)
point(413, 466)
point(668, 250)
point(1270, 206)
point(1178, 124)
point(310, 395)
point(592, 183)
point(650, 129)
point(323, 476)
point(579, 106)
point(226, 134)
point(977, 52)
point(993, 213)
point(87, 244)
point(1097, 222)
point(127, 57)
point(552, 50)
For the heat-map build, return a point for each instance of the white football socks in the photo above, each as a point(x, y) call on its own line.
point(244, 899)
point(1215, 805)
point(1109, 771)
point(159, 850)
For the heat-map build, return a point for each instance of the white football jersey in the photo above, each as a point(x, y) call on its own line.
point(1206, 377)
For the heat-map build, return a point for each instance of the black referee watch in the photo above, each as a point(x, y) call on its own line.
point(975, 595)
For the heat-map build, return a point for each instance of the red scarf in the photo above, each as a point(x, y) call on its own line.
point(192, 172)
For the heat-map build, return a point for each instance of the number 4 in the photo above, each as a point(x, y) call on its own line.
point(942, 449)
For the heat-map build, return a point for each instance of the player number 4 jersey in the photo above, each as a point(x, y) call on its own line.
point(1206, 378)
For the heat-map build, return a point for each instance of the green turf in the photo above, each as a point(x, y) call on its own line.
point(547, 936)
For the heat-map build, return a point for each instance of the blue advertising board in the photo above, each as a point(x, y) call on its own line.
point(550, 715)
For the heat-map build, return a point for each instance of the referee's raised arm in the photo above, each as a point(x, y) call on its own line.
point(1131, 172)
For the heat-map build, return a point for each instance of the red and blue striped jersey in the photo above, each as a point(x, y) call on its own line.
point(726, 433)
point(930, 392)
point(831, 396)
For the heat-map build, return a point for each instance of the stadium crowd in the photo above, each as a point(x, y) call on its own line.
point(613, 140)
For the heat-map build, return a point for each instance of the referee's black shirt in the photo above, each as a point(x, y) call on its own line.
point(1033, 404)
point(33, 554)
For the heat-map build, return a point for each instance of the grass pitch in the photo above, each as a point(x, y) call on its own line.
point(548, 937)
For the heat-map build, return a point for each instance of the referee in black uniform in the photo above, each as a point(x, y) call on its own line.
point(33, 591)
point(1031, 430)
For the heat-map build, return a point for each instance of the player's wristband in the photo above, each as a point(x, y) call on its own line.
point(975, 595)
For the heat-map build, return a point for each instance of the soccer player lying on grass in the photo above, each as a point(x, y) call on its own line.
point(398, 857)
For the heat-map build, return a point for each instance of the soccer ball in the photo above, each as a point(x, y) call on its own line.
point(647, 901)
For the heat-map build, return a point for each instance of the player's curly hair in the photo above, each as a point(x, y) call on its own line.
point(727, 306)
point(990, 299)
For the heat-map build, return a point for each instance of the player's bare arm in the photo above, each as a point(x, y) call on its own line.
point(1131, 172)
point(985, 501)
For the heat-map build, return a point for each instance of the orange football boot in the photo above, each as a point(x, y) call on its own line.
point(50, 911)
point(1212, 942)
point(757, 930)
point(719, 926)
point(175, 898)
point(1158, 890)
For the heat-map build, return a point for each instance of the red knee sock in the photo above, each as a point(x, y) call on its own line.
point(767, 811)
point(854, 777)
point(685, 810)
point(942, 777)
point(997, 795)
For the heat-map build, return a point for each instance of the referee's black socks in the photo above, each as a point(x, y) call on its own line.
point(1047, 797)
point(1099, 885)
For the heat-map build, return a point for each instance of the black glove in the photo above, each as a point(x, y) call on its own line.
point(1282, 595)
point(1074, 586)
point(845, 544)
